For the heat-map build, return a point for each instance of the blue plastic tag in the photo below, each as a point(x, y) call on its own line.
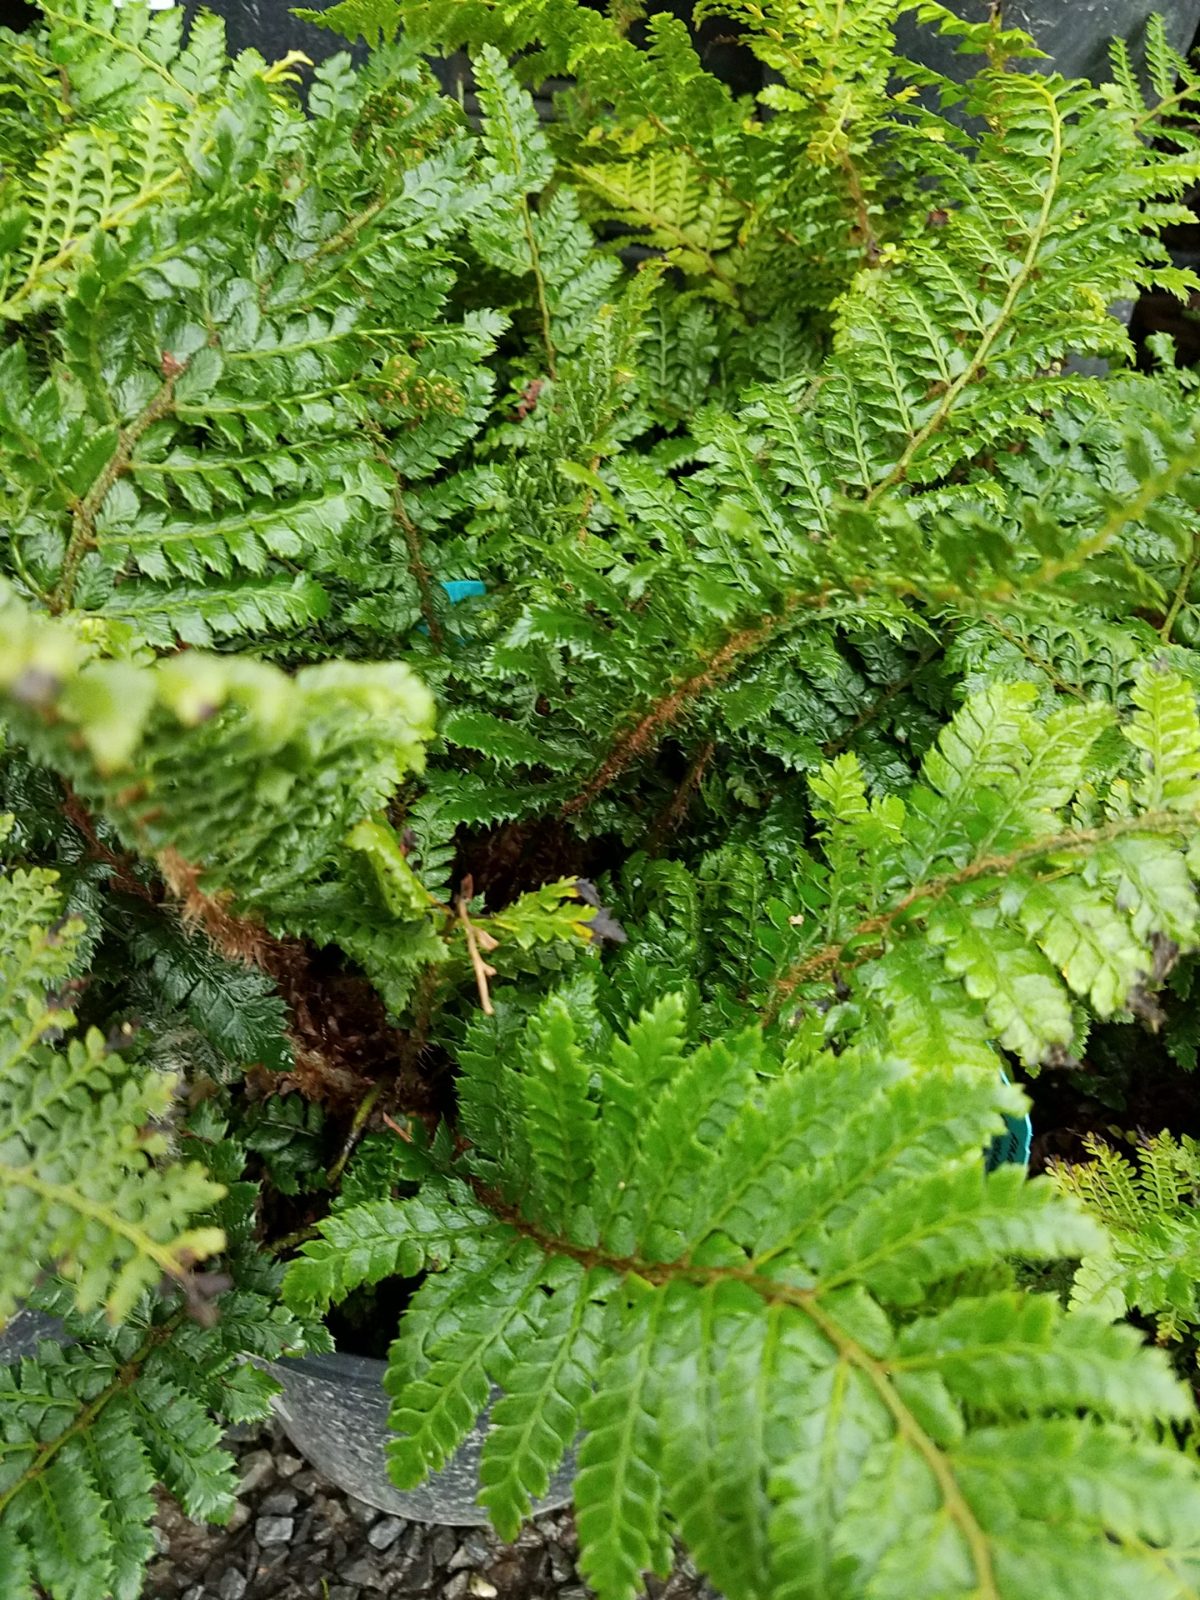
point(1010, 1148)
point(457, 589)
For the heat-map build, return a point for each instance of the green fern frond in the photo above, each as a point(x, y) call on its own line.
point(131, 738)
point(660, 193)
point(93, 1424)
point(372, 20)
point(1028, 901)
point(82, 1178)
point(1147, 1203)
point(547, 241)
point(755, 1362)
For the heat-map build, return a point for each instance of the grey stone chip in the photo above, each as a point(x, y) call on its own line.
point(294, 1536)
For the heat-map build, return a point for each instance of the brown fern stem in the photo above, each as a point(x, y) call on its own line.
point(237, 938)
point(358, 1126)
point(121, 865)
point(746, 641)
point(832, 957)
point(1179, 598)
point(674, 811)
point(85, 511)
point(667, 710)
point(417, 568)
point(535, 257)
point(864, 229)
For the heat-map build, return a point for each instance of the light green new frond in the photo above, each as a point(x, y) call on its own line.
point(559, 1115)
point(475, 1321)
point(84, 1185)
point(671, 205)
point(1026, 1004)
point(839, 795)
point(1108, 1183)
point(1148, 1204)
point(925, 1016)
point(1166, 728)
point(1152, 885)
point(92, 183)
point(987, 745)
point(651, 1055)
point(118, 57)
point(619, 1507)
point(512, 134)
point(1082, 934)
point(990, 859)
point(938, 1225)
point(374, 20)
point(1011, 1348)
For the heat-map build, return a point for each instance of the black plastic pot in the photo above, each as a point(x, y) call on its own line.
point(269, 27)
point(1075, 34)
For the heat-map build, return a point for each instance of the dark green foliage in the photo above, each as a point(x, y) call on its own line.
point(833, 619)
point(286, 1131)
point(90, 1427)
point(78, 1173)
point(236, 1008)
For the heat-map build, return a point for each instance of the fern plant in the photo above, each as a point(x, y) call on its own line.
point(880, 491)
point(86, 1137)
point(672, 738)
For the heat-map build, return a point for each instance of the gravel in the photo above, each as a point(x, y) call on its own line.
point(294, 1536)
